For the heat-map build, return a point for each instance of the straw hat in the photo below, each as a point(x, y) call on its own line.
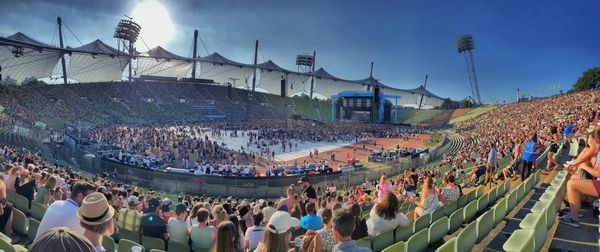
point(95, 209)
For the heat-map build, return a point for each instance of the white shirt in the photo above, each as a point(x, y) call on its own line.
point(61, 213)
point(376, 224)
point(254, 235)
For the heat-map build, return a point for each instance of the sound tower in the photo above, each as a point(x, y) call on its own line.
point(283, 93)
point(229, 90)
point(375, 105)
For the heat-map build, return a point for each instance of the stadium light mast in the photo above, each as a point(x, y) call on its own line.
point(195, 54)
point(312, 80)
point(306, 64)
point(254, 75)
point(128, 31)
point(465, 45)
point(62, 57)
point(423, 92)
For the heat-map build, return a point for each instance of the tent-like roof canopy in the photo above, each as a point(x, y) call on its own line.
point(98, 47)
point(217, 58)
point(161, 53)
point(422, 90)
point(271, 66)
point(21, 37)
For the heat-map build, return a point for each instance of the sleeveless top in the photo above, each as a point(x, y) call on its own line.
point(529, 152)
point(430, 203)
point(202, 237)
point(39, 197)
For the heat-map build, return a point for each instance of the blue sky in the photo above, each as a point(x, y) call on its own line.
point(519, 44)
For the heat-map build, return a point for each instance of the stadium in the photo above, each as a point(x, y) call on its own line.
point(105, 146)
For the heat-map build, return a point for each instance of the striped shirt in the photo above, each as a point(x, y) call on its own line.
point(130, 220)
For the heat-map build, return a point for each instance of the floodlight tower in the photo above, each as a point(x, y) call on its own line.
point(306, 64)
point(127, 31)
point(465, 45)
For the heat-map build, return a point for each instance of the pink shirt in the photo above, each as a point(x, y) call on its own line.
point(383, 189)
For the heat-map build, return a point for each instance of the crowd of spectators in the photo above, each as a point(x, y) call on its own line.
point(329, 218)
point(194, 145)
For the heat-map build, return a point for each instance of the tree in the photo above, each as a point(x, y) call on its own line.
point(32, 81)
point(589, 80)
point(8, 81)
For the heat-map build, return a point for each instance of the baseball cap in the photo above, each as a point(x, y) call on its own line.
point(281, 222)
point(133, 200)
point(153, 203)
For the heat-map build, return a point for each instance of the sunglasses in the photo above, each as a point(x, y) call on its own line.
point(3, 201)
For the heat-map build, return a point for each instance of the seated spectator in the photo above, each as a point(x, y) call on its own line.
point(311, 221)
point(203, 235)
point(239, 238)
point(219, 215)
point(130, 218)
point(6, 215)
point(269, 210)
point(255, 233)
point(243, 214)
point(326, 232)
point(61, 239)
point(165, 209)
point(450, 192)
point(177, 226)
point(25, 186)
point(360, 225)
point(226, 237)
point(95, 216)
point(430, 199)
point(192, 218)
point(476, 173)
point(579, 188)
point(45, 193)
point(63, 213)
point(343, 226)
point(153, 225)
point(366, 204)
point(384, 216)
point(280, 228)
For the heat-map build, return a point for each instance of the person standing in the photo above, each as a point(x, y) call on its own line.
point(529, 156)
point(492, 164)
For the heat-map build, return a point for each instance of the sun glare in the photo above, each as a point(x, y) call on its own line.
point(157, 27)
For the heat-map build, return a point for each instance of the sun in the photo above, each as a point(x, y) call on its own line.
point(157, 27)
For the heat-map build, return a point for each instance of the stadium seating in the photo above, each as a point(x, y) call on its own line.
point(153, 243)
point(126, 245)
point(108, 243)
point(178, 247)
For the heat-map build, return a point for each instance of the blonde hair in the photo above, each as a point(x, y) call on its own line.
point(105, 228)
point(51, 183)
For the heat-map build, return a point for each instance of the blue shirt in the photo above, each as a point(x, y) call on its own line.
point(349, 246)
point(493, 157)
point(568, 129)
point(529, 152)
point(311, 222)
